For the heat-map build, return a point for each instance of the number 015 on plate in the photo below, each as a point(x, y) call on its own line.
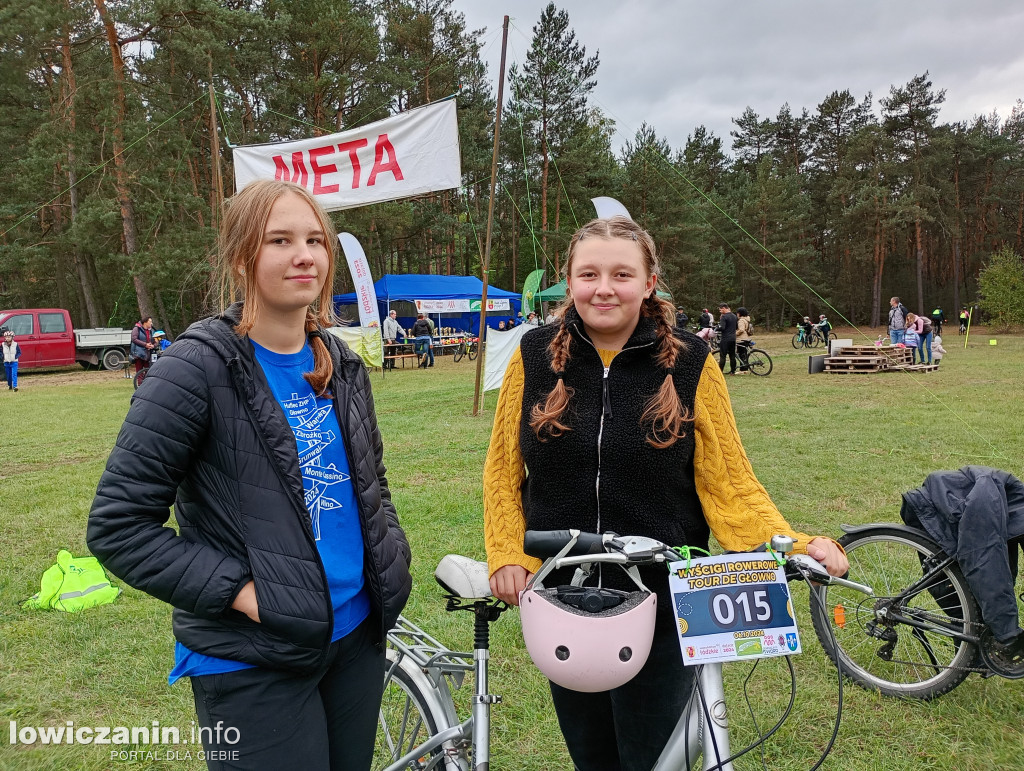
point(732, 607)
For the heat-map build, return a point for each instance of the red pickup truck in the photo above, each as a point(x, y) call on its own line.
point(47, 340)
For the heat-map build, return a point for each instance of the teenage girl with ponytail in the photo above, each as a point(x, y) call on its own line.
point(612, 420)
point(288, 565)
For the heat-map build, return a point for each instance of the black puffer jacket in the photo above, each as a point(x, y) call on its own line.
point(205, 433)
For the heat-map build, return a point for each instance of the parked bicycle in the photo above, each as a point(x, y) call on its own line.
point(468, 348)
point(917, 632)
point(420, 727)
point(757, 361)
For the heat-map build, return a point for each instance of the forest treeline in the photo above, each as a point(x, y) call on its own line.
point(116, 156)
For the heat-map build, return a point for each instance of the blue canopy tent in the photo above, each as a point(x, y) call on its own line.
point(407, 288)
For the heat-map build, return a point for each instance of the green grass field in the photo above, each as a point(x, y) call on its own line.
point(830, 449)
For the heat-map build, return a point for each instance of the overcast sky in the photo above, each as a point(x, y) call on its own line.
point(679, 64)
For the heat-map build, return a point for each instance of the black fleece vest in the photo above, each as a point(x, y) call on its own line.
point(604, 476)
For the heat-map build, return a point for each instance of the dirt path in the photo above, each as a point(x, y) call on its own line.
point(67, 376)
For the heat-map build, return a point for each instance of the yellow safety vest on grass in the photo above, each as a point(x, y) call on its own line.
point(73, 584)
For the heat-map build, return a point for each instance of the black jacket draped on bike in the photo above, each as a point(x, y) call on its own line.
point(972, 514)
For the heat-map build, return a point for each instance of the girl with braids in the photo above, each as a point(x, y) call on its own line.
point(613, 420)
point(289, 565)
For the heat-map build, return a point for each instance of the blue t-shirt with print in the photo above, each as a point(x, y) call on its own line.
point(330, 500)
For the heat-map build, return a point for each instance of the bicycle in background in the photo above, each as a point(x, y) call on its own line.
point(468, 348)
point(420, 727)
point(917, 631)
point(805, 338)
point(754, 360)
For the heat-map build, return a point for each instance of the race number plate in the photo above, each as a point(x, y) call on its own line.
point(732, 607)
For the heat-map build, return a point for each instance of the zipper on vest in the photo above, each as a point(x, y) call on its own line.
point(301, 510)
point(606, 411)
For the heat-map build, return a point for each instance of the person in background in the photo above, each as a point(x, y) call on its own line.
point(11, 354)
point(288, 565)
point(551, 318)
point(705, 320)
point(615, 391)
point(965, 319)
point(938, 318)
point(923, 327)
point(142, 345)
point(911, 340)
point(937, 350)
point(807, 327)
point(681, 318)
point(423, 333)
point(744, 340)
point(393, 333)
point(501, 326)
point(897, 320)
point(727, 324)
point(531, 319)
point(824, 327)
point(160, 338)
point(705, 323)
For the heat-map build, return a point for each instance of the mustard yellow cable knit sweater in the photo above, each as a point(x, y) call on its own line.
point(736, 506)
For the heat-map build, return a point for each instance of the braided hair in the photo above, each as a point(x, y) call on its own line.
point(664, 411)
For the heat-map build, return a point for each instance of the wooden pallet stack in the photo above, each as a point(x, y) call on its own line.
point(858, 359)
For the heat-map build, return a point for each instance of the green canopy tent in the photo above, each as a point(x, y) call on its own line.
point(557, 292)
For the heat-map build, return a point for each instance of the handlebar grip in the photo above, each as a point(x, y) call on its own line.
point(547, 543)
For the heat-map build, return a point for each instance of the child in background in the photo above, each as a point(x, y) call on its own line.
point(937, 350)
point(911, 340)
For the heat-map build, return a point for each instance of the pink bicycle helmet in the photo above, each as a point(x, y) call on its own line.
point(588, 640)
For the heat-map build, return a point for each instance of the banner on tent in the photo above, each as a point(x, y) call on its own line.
point(460, 306)
point(408, 154)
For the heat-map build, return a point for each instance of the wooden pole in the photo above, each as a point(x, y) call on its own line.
point(490, 221)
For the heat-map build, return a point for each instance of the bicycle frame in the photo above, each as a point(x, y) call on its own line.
point(703, 728)
point(437, 670)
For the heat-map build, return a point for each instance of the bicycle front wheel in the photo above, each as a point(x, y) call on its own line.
point(759, 362)
point(473, 348)
point(458, 353)
point(405, 722)
point(866, 636)
point(797, 341)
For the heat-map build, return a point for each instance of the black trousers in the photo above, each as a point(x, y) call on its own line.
point(626, 729)
point(727, 347)
point(326, 721)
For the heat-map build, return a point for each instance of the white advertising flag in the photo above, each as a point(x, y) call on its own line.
point(366, 295)
point(407, 154)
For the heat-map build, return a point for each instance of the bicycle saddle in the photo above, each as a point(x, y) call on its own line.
point(463, 577)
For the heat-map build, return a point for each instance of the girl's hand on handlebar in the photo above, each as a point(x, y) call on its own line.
point(507, 582)
point(829, 555)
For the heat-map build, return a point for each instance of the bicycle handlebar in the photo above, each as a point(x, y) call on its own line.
point(609, 547)
point(547, 543)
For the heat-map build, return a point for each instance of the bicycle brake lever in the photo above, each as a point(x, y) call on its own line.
point(810, 569)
